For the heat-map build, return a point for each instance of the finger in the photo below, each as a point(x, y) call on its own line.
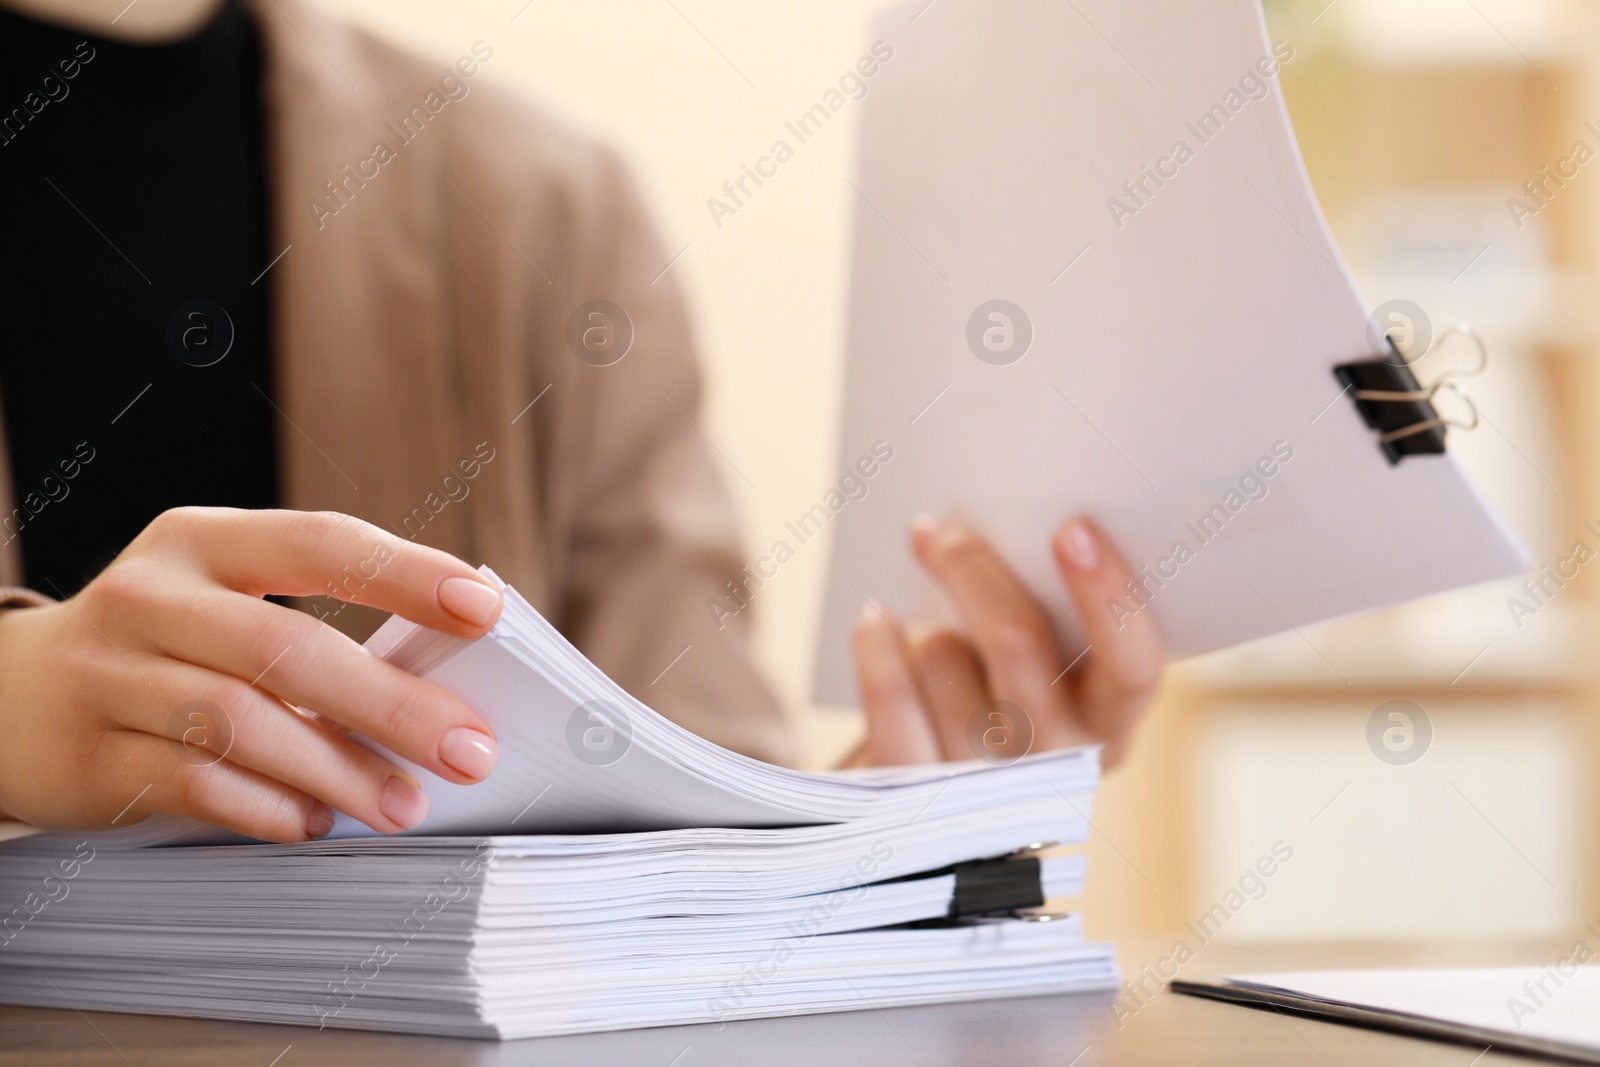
point(1116, 680)
point(144, 775)
point(210, 717)
point(323, 553)
point(308, 664)
point(952, 683)
point(1012, 635)
point(857, 756)
point(898, 730)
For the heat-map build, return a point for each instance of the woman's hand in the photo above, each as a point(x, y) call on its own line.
point(168, 684)
point(1003, 687)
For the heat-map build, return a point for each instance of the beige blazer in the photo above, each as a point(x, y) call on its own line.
point(422, 304)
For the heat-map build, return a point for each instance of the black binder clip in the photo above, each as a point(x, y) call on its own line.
point(994, 888)
point(1392, 401)
point(997, 887)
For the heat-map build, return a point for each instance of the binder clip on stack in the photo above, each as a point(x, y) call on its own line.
point(1392, 400)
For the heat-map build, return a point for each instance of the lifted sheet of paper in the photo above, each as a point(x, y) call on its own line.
point(1091, 276)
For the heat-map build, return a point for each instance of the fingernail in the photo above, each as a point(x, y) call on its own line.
point(469, 600)
point(1080, 546)
point(320, 822)
point(871, 611)
point(923, 527)
point(403, 803)
point(469, 751)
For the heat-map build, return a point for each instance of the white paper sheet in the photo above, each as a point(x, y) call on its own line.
point(535, 688)
point(1177, 342)
point(1559, 1003)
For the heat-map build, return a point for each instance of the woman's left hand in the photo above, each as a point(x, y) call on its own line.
point(1003, 687)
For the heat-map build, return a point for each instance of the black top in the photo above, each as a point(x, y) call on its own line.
point(134, 350)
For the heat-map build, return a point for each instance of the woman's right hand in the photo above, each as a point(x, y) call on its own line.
point(168, 684)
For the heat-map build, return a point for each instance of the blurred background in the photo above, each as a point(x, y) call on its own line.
point(1418, 120)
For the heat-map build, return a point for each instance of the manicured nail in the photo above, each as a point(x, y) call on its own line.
point(320, 822)
point(469, 600)
point(923, 529)
point(469, 751)
point(403, 803)
point(1080, 546)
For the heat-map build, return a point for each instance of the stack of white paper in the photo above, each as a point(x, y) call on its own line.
point(656, 879)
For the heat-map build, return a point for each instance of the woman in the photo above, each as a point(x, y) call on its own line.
point(293, 314)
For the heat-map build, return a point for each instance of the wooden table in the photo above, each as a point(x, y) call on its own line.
point(1056, 1031)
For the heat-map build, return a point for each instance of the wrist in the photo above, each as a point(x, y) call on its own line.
point(10, 616)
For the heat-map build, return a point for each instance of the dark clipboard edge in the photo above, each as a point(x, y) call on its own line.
point(1387, 1021)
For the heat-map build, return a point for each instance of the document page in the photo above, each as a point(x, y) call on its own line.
point(1090, 276)
point(1553, 1009)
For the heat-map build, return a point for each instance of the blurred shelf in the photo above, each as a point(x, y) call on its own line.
point(1432, 645)
point(1490, 33)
